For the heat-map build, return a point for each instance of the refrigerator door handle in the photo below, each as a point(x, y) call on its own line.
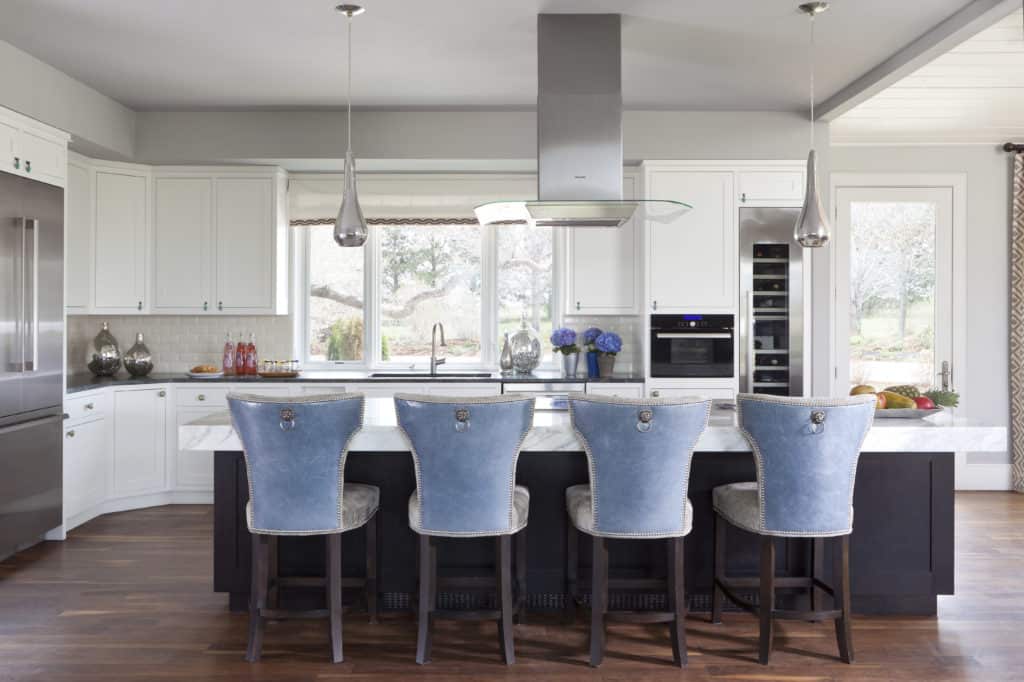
point(749, 350)
point(30, 308)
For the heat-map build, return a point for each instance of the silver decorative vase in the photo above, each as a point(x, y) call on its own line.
point(103, 357)
point(525, 348)
point(138, 360)
point(505, 362)
point(569, 363)
point(606, 364)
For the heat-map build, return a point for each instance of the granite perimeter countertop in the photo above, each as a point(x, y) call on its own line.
point(88, 382)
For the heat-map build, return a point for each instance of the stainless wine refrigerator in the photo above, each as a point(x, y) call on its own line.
point(772, 322)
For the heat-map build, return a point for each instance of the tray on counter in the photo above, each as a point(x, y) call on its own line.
point(279, 375)
point(906, 413)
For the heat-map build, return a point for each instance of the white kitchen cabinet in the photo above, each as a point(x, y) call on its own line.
point(182, 244)
point(86, 467)
point(771, 187)
point(702, 392)
point(691, 261)
point(616, 390)
point(78, 237)
point(32, 149)
point(245, 245)
point(140, 421)
point(120, 240)
point(603, 265)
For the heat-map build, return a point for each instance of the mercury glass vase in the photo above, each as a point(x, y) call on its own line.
point(526, 349)
point(103, 356)
point(606, 364)
point(570, 361)
point(138, 360)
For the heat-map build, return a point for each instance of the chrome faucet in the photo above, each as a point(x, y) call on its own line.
point(434, 361)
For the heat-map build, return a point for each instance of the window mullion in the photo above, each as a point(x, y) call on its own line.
point(371, 309)
point(488, 296)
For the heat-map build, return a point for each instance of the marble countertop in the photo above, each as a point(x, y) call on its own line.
point(88, 382)
point(552, 432)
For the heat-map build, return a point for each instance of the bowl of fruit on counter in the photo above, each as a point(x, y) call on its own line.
point(908, 402)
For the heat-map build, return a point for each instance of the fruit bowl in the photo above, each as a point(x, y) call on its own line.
point(906, 413)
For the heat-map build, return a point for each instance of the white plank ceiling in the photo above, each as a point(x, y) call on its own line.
point(973, 94)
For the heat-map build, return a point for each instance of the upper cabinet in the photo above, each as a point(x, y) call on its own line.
point(771, 187)
point(31, 149)
point(176, 240)
point(78, 199)
point(691, 261)
point(603, 265)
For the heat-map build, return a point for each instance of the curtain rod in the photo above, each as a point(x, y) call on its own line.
point(1015, 148)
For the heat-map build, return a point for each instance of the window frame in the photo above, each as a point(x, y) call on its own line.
point(489, 305)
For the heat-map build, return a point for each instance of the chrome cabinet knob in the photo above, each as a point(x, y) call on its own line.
point(206, 306)
point(200, 397)
point(89, 406)
point(655, 394)
point(17, 163)
point(654, 305)
point(162, 393)
point(28, 166)
point(743, 198)
point(70, 434)
point(220, 305)
point(140, 305)
point(577, 305)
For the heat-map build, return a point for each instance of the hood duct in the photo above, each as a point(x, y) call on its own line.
point(579, 131)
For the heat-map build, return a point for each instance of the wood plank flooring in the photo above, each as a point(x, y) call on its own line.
point(128, 597)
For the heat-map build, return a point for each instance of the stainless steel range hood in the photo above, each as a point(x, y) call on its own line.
point(579, 131)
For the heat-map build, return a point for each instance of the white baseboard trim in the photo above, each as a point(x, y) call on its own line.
point(981, 476)
point(127, 504)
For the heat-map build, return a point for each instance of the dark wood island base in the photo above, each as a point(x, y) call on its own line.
point(901, 550)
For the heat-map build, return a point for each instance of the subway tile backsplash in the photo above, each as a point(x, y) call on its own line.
point(179, 342)
point(629, 327)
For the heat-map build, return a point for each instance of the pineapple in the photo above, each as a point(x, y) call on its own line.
point(944, 398)
point(905, 390)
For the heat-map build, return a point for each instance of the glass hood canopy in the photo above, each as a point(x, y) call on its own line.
point(604, 213)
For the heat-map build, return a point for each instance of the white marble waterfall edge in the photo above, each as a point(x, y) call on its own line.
point(552, 432)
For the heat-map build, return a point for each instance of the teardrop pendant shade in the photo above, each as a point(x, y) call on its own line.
point(350, 227)
point(812, 229)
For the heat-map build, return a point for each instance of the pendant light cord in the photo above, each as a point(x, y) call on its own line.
point(811, 62)
point(349, 85)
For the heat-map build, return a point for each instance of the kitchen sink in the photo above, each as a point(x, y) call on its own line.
point(428, 375)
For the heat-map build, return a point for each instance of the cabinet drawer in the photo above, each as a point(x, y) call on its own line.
point(705, 393)
point(616, 390)
point(206, 396)
point(86, 408)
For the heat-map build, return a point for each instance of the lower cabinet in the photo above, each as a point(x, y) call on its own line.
point(86, 466)
point(617, 390)
point(702, 392)
point(140, 443)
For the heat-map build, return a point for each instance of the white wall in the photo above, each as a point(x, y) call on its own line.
point(985, 379)
point(99, 125)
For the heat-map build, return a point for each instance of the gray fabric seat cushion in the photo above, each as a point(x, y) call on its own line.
point(359, 503)
point(738, 504)
point(520, 514)
point(579, 502)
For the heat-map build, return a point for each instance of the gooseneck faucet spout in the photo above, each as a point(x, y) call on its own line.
point(434, 360)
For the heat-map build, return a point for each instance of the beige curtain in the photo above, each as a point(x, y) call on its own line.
point(1017, 325)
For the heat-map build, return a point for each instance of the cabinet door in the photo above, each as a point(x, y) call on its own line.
point(616, 390)
point(78, 231)
point(245, 226)
point(86, 470)
point(139, 441)
point(7, 154)
point(692, 260)
point(182, 241)
point(119, 239)
point(42, 158)
point(603, 266)
point(771, 188)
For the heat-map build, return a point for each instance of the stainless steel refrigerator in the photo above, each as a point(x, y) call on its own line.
point(31, 352)
point(772, 329)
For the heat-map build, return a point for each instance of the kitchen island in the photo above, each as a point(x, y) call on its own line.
point(902, 552)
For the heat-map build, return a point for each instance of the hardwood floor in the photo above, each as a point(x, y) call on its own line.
point(128, 597)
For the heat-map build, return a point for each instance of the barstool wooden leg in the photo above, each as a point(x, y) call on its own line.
point(273, 589)
point(505, 603)
point(767, 602)
point(817, 570)
point(257, 596)
point(719, 570)
point(572, 566)
point(677, 600)
point(521, 576)
point(426, 599)
point(334, 588)
point(598, 600)
point(371, 568)
point(841, 585)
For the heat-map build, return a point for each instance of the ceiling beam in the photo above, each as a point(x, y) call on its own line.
point(976, 16)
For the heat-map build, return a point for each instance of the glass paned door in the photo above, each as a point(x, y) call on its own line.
point(894, 295)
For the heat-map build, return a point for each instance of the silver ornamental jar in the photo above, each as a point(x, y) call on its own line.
point(138, 360)
point(103, 357)
point(526, 349)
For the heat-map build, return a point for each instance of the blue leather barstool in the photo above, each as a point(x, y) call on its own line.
point(806, 452)
point(295, 454)
point(465, 452)
point(639, 452)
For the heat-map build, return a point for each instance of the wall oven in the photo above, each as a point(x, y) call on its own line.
point(692, 346)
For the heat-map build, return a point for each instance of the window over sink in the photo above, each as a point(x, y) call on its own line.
point(426, 260)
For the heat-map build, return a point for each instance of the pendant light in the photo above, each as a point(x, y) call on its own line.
point(350, 227)
point(812, 229)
